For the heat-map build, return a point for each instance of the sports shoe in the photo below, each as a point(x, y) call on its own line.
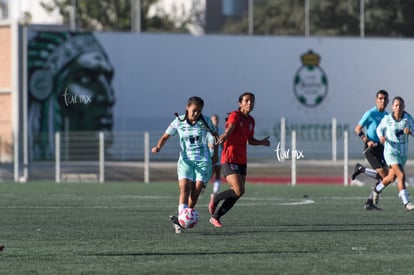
point(177, 229)
point(409, 206)
point(211, 206)
point(375, 197)
point(371, 206)
point(358, 169)
point(177, 226)
point(215, 222)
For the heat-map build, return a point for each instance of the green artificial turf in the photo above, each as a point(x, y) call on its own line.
point(124, 228)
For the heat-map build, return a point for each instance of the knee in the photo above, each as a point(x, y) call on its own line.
point(239, 192)
point(388, 179)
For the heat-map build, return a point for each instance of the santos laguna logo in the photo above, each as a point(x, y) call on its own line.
point(310, 83)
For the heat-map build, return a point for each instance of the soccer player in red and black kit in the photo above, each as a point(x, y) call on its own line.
point(239, 131)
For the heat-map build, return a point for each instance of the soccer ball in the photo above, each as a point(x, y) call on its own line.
point(188, 217)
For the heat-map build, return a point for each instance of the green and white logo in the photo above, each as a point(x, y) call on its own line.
point(310, 83)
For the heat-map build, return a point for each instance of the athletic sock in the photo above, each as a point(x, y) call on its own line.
point(181, 207)
point(369, 200)
point(229, 198)
point(371, 173)
point(226, 194)
point(225, 207)
point(371, 195)
point(216, 186)
point(404, 196)
point(379, 187)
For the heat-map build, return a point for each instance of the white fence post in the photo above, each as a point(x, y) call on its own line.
point(101, 157)
point(16, 156)
point(293, 158)
point(346, 158)
point(146, 157)
point(334, 139)
point(282, 135)
point(57, 157)
point(66, 138)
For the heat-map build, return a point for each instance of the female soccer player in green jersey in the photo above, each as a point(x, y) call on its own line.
point(194, 167)
point(393, 132)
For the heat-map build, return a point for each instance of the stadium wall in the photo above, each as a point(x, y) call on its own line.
point(156, 73)
point(144, 78)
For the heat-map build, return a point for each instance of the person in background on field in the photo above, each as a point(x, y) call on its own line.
point(238, 132)
point(216, 157)
point(393, 131)
point(373, 149)
point(194, 165)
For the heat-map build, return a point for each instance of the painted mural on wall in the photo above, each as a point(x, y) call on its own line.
point(70, 89)
point(302, 79)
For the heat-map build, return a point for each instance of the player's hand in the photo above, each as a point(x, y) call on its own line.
point(266, 141)
point(383, 139)
point(222, 138)
point(155, 149)
point(407, 131)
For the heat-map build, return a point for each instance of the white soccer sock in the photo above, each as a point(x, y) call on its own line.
point(181, 207)
point(404, 196)
point(371, 172)
point(216, 186)
point(371, 195)
point(379, 187)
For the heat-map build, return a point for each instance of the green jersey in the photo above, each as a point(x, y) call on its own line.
point(194, 139)
point(396, 145)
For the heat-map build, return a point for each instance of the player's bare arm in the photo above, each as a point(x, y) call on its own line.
point(226, 133)
point(163, 139)
point(264, 142)
point(359, 131)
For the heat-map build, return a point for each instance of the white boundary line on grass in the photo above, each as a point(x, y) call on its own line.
point(274, 201)
point(245, 201)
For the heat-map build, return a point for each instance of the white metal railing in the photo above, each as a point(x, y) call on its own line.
point(97, 156)
point(101, 157)
point(292, 154)
point(146, 157)
point(295, 154)
point(57, 157)
point(293, 170)
point(346, 158)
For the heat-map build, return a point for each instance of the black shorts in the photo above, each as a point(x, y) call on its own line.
point(234, 168)
point(375, 156)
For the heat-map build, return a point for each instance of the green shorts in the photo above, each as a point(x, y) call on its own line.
point(194, 170)
point(395, 158)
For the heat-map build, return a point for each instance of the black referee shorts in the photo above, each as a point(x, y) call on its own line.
point(375, 156)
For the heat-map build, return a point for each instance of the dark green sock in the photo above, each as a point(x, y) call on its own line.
point(226, 194)
point(225, 207)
